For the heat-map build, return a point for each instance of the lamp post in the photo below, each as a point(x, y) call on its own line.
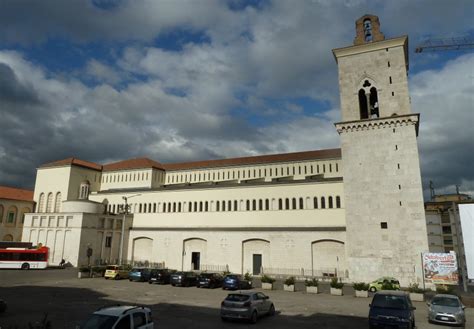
point(125, 213)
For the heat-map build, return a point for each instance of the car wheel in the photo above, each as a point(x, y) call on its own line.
point(271, 312)
point(254, 317)
point(25, 266)
point(373, 289)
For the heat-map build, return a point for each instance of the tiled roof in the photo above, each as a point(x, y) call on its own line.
point(141, 163)
point(133, 164)
point(73, 161)
point(12, 193)
point(260, 159)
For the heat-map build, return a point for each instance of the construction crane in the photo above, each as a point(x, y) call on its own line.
point(456, 43)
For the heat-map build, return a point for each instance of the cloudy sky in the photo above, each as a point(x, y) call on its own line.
point(183, 80)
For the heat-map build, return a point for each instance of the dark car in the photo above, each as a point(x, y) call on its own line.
point(246, 305)
point(209, 280)
point(183, 279)
point(391, 309)
point(160, 276)
point(236, 281)
point(139, 274)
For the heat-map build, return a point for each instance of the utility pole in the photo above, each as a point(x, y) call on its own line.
point(125, 213)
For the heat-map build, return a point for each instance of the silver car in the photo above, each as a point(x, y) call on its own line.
point(446, 309)
point(249, 305)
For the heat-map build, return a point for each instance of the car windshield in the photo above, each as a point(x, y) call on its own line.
point(232, 277)
point(445, 301)
point(111, 268)
point(390, 301)
point(100, 321)
point(237, 298)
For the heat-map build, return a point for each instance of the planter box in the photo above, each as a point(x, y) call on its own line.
point(289, 288)
point(362, 294)
point(83, 275)
point(417, 297)
point(267, 286)
point(336, 292)
point(311, 290)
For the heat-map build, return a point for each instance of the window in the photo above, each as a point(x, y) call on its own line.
point(235, 205)
point(293, 203)
point(139, 319)
point(323, 202)
point(287, 203)
point(248, 205)
point(254, 205)
point(267, 204)
point(218, 206)
point(368, 30)
point(301, 203)
point(330, 202)
point(11, 217)
point(49, 202)
point(280, 204)
point(260, 204)
point(108, 241)
point(124, 323)
point(223, 205)
point(315, 203)
point(338, 202)
point(383, 225)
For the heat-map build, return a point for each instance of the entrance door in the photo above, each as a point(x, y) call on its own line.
point(196, 260)
point(257, 264)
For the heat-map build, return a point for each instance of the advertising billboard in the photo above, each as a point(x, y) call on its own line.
point(466, 216)
point(440, 268)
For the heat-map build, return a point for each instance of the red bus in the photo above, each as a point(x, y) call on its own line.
point(24, 258)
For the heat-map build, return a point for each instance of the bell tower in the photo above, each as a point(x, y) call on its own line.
point(385, 220)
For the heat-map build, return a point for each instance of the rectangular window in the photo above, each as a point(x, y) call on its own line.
point(11, 217)
point(383, 225)
point(108, 241)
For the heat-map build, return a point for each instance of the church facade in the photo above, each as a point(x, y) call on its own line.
point(355, 212)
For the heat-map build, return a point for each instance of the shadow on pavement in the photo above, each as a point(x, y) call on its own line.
point(68, 307)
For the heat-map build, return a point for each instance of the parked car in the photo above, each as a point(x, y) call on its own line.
point(141, 274)
point(378, 284)
point(161, 276)
point(183, 279)
point(3, 306)
point(246, 305)
point(236, 281)
point(446, 309)
point(116, 272)
point(209, 280)
point(120, 317)
point(391, 308)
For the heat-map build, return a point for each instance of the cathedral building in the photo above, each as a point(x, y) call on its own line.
point(356, 212)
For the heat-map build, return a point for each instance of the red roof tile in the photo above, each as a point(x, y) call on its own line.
point(133, 164)
point(260, 159)
point(12, 193)
point(73, 161)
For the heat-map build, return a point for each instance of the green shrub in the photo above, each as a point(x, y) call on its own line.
point(84, 269)
point(290, 281)
point(267, 279)
point(248, 276)
point(311, 283)
point(414, 288)
point(388, 286)
point(361, 286)
point(445, 289)
point(337, 284)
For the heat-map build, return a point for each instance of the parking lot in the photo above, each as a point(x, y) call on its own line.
point(68, 301)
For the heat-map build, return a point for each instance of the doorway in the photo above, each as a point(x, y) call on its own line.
point(196, 260)
point(257, 264)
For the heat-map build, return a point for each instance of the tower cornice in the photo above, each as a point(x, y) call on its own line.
point(378, 123)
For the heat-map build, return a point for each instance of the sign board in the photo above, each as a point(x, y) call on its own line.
point(440, 268)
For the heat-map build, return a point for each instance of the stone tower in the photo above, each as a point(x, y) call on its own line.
point(386, 230)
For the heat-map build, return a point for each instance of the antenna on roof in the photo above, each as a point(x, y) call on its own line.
point(432, 190)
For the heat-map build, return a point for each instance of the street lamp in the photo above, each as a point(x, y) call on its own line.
point(125, 213)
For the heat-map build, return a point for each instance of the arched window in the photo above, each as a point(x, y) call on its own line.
point(41, 203)
point(293, 203)
point(301, 203)
point(330, 202)
point(206, 206)
point(323, 202)
point(195, 206)
point(248, 205)
point(287, 203)
point(267, 204)
point(154, 207)
point(174, 206)
point(57, 202)
point(368, 30)
point(260, 204)
point(190, 207)
point(374, 103)
point(218, 206)
point(229, 205)
point(338, 202)
point(200, 206)
point(1, 213)
point(223, 205)
point(363, 108)
point(49, 202)
point(254, 205)
point(236, 205)
point(315, 203)
point(140, 208)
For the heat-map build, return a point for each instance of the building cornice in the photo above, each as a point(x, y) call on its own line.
point(247, 229)
point(371, 124)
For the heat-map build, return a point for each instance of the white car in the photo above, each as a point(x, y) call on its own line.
point(120, 317)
